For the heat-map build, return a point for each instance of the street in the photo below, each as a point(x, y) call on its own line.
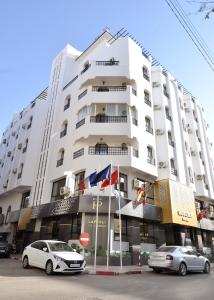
point(19, 284)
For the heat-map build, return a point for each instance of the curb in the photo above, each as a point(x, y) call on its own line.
point(114, 273)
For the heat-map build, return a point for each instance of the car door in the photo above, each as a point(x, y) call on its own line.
point(189, 258)
point(32, 253)
point(42, 255)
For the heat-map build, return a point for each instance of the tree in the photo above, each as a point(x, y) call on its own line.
point(206, 7)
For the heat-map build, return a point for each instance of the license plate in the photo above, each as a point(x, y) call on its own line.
point(74, 265)
point(2, 251)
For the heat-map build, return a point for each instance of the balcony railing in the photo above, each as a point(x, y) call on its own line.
point(146, 76)
point(70, 82)
point(107, 62)
point(78, 153)
point(80, 123)
point(206, 187)
point(24, 149)
point(19, 175)
point(29, 126)
point(147, 101)
point(85, 68)
point(66, 106)
point(134, 92)
point(134, 121)
point(63, 133)
point(108, 119)
point(59, 162)
point(149, 129)
point(174, 172)
point(166, 94)
point(109, 88)
point(168, 117)
point(82, 94)
point(151, 160)
point(107, 150)
point(172, 143)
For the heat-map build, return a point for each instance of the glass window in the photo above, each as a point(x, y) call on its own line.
point(60, 247)
point(124, 231)
point(166, 249)
point(56, 189)
point(78, 177)
point(36, 245)
point(123, 185)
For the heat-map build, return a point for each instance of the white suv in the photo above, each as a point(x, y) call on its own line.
point(53, 256)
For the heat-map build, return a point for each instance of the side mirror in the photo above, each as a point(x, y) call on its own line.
point(75, 250)
point(45, 249)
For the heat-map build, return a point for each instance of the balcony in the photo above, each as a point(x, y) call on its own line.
point(149, 129)
point(169, 117)
point(85, 68)
point(172, 143)
point(92, 150)
point(147, 101)
point(66, 106)
point(59, 162)
point(109, 88)
point(151, 161)
point(63, 133)
point(78, 153)
point(19, 175)
point(80, 123)
point(107, 62)
point(82, 95)
point(174, 172)
point(134, 121)
point(108, 119)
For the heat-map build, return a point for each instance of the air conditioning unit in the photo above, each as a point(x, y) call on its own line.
point(162, 164)
point(155, 84)
point(137, 183)
point(189, 130)
point(157, 107)
point(159, 131)
point(19, 146)
point(193, 153)
point(64, 190)
point(23, 126)
point(14, 170)
point(199, 177)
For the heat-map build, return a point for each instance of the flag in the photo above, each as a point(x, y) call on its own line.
point(87, 183)
point(141, 196)
point(104, 174)
point(113, 180)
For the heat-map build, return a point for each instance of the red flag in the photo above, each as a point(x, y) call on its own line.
point(113, 180)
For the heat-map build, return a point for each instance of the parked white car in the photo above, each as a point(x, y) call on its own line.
point(178, 258)
point(53, 256)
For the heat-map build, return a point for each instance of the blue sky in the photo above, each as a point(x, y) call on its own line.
point(33, 31)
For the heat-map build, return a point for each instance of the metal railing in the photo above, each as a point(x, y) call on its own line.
point(174, 172)
point(168, 117)
point(172, 143)
point(134, 92)
point(63, 133)
point(109, 88)
point(92, 150)
point(108, 119)
point(80, 123)
point(59, 162)
point(107, 62)
point(134, 121)
point(135, 153)
point(146, 76)
point(151, 161)
point(78, 153)
point(82, 94)
point(66, 106)
point(147, 101)
point(85, 68)
point(70, 82)
point(149, 129)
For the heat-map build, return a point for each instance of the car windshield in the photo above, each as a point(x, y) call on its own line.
point(60, 247)
point(166, 249)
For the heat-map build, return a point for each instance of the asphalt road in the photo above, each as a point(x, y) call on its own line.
point(19, 284)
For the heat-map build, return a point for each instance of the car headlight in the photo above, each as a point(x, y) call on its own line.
point(58, 258)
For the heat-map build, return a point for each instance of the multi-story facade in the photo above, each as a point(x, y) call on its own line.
point(108, 104)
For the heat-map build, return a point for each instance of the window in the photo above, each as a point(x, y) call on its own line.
point(150, 157)
point(78, 177)
point(101, 149)
point(60, 157)
point(55, 195)
point(25, 147)
point(148, 123)
point(190, 175)
point(30, 122)
point(146, 73)
point(172, 164)
point(171, 142)
point(124, 228)
point(67, 102)
point(20, 170)
point(7, 215)
point(167, 113)
point(147, 98)
point(25, 200)
point(184, 125)
point(165, 91)
point(64, 129)
point(123, 185)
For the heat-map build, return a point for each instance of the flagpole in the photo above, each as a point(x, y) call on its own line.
point(120, 223)
point(109, 222)
point(96, 231)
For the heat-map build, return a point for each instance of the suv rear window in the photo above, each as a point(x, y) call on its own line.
point(166, 249)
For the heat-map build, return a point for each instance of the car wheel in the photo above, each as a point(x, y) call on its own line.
point(207, 267)
point(182, 269)
point(49, 268)
point(157, 270)
point(25, 262)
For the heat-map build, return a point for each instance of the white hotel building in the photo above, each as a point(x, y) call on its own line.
point(108, 104)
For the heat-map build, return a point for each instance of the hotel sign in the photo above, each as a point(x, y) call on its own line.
point(177, 203)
